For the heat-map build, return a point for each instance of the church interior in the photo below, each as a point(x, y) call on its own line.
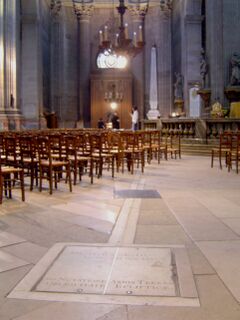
point(119, 159)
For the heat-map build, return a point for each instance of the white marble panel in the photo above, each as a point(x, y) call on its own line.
point(224, 256)
point(104, 274)
point(7, 239)
point(142, 272)
point(8, 261)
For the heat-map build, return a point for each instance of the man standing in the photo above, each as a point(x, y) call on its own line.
point(115, 121)
point(134, 116)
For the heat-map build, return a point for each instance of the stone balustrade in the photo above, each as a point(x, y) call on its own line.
point(185, 127)
point(214, 127)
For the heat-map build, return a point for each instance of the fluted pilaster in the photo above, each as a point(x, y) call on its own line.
point(138, 13)
point(165, 61)
point(10, 55)
point(84, 13)
point(214, 22)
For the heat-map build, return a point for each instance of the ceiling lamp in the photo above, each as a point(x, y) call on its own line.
point(121, 45)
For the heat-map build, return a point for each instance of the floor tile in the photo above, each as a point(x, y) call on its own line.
point(224, 256)
point(8, 261)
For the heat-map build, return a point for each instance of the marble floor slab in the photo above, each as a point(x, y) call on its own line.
point(139, 194)
point(91, 209)
point(8, 261)
point(197, 220)
point(27, 251)
point(233, 223)
point(109, 274)
point(7, 239)
point(90, 223)
point(224, 256)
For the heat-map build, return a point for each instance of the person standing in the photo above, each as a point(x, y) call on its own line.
point(115, 121)
point(134, 116)
point(101, 124)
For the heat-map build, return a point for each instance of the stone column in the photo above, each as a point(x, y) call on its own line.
point(11, 27)
point(191, 51)
point(56, 52)
point(31, 84)
point(214, 24)
point(165, 60)
point(138, 13)
point(84, 12)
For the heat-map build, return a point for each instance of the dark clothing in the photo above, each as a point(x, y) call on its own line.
point(115, 122)
point(101, 124)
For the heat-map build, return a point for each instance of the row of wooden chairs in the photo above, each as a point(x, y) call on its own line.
point(228, 150)
point(56, 154)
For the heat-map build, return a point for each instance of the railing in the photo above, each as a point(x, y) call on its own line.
point(184, 127)
point(214, 127)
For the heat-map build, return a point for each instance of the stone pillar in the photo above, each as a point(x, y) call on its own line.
point(11, 35)
point(84, 12)
point(214, 49)
point(192, 47)
point(31, 84)
point(138, 13)
point(56, 52)
point(165, 60)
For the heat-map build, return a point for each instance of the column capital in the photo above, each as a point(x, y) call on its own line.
point(55, 7)
point(138, 10)
point(83, 11)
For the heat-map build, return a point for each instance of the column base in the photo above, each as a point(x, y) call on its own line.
point(153, 114)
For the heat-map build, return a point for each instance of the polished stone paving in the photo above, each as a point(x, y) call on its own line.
point(198, 214)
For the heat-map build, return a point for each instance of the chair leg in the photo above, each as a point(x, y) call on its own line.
point(40, 178)
point(212, 158)
point(22, 185)
point(50, 178)
point(112, 166)
point(69, 177)
point(220, 160)
point(1, 188)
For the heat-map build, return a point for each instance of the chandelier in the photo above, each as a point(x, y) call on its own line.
point(113, 95)
point(122, 46)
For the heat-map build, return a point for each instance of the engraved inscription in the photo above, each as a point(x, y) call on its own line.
point(111, 271)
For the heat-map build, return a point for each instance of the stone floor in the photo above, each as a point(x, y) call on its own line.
point(186, 205)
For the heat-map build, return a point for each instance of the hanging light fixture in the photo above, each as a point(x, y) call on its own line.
point(118, 50)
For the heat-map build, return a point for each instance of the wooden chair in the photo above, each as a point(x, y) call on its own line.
point(51, 169)
point(174, 146)
point(76, 155)
point(224, 148)
point(133, 150)
point(12, 151)
point(234, 154)
point(9, 178)
point(158, 148)
point(116, 149)
point(100, 154)
point(29, 161)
